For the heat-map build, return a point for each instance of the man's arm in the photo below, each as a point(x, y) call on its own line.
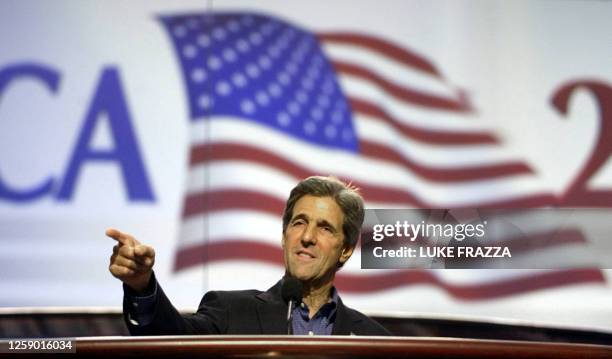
point(146, 308)
point(152, 313)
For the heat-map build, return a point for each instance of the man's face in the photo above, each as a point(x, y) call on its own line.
point(313, 241)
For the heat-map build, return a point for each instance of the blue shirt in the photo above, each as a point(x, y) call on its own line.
point(322, 323)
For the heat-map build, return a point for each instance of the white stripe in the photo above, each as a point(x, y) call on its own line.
point(61, 310)
point(232, 224)
point(568, 256)
point(427, 118)
point(390, 69)
point(544, 220)
point(231, 174)
point(385, 205)
point(349, 165)
point(262, 227)
point(240, 174)
point(483, 276)
point(222, 227)
point(479, 317)
point(464, 277)
point(583, 306)
point(441, 195)
point(241, 275)
point(428, 154)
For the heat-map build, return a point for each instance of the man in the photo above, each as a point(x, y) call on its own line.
point(321, 224)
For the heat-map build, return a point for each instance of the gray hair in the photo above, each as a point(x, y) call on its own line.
point(345, 195)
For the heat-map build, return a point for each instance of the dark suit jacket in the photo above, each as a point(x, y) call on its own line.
point(241, 312)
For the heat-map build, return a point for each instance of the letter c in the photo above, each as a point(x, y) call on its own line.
point(50, 78)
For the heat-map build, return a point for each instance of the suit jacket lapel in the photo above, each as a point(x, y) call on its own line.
point(272, 311)
point(345, 323)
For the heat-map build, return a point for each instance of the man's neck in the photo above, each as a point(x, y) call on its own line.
point(316, 296)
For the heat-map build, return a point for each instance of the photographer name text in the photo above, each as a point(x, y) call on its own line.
point(444, 252)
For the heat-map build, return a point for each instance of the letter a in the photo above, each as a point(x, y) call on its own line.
point(109, 99)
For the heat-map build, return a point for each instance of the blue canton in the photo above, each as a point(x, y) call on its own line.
point(258, 68)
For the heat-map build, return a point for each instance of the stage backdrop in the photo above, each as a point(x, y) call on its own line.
point(186, 123)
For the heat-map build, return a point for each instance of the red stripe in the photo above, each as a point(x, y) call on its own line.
point(403, 93)
point(209, 152)
point(461, 174)
point(196, 203)
point(384, 47)
point(199, 254)
point(518, 202)
point(231, 199)
point(482, 291)
point(352, 283)
point(553, 238)
point(436, 137)
point(230, 151)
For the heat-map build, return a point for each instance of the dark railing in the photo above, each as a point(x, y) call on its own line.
point(60, 323)
point(324, 347)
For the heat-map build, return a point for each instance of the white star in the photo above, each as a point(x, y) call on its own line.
point(294, 108)
point(203, 40)
point(330, 131)
point(239, 79)
point(214, 63)
point(229, 54)
point(274, 89)
point(205, 101)
point(190, 51)
point(247, 106)
point(223, 88)
point(310, 128)
point(283, 119)
point(198, 75)
point(242, 46)
point(179, 31)
point(264, 62)
point(262, 98)
point(252, 70)
point(219, 34)
point(255, 38)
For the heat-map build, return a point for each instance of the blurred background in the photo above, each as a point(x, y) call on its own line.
point(186, 124)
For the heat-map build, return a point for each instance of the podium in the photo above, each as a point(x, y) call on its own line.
point(327, 347)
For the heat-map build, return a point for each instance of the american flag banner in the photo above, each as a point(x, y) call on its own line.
point(271, 103)
point(186, 124)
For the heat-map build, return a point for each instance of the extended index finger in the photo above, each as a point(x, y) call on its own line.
point(121, 237)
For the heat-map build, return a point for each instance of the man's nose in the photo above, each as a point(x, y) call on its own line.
point(309, 237)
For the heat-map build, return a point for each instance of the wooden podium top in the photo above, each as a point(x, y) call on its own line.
point(329, 347)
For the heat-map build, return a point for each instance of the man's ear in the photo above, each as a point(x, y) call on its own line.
point(347, 252)
point(283, 240)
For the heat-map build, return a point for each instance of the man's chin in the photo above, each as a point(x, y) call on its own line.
point(302, 276)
